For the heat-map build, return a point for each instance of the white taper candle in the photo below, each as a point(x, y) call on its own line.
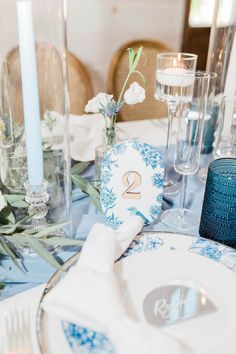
point(30, 93)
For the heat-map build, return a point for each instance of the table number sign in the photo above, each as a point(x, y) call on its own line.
point(132, 178)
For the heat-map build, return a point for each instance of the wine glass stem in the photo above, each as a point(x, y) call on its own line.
point(183, 195)
point(171, 113)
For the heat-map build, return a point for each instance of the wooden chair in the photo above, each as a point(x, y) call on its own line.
point(50, 80)
point(80, 85)
point(150, 108)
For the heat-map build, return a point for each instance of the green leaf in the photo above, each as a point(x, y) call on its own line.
point(62, 241)
point(20, 204)
point(131, 57)
point(10, 252)
point(6, 216)
point(20, 222)
point(94, 196)
point(86, 187)
point(142, 76)
point(7, 249)
point(43, 232)
point(17, 239)
point(136, 58)
point(11, 198)
point(79, 167)
point(3, 250)
point(11, 218)
point(16, 200)
point(43, 252)
point(80, 182)
point(7, 229)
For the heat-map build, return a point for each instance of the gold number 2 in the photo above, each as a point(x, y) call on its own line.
point(131, 180)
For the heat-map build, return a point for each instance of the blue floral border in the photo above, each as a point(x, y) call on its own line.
point(151, 158)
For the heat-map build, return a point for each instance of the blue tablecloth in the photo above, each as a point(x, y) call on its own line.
point(84, 215)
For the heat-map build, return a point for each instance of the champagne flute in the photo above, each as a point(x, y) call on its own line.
point(174, 85)
point(187, 151)
point(226, 137)
point(210, 125)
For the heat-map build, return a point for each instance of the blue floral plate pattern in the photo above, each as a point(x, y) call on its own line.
point(82, 340)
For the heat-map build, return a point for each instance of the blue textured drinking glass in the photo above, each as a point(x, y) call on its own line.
point(218, 219)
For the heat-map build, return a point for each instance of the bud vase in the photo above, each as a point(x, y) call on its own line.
point(110, 138)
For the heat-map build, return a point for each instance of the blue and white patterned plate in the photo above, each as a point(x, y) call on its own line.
point(132, 178)
point(192, 280)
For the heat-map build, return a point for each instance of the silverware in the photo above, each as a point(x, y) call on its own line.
point(16, 333)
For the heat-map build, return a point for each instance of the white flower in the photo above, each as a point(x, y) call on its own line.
point(134, 94)
point(98, 102)
point(2, 201)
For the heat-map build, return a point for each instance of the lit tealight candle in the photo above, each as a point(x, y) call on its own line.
point(175, 76)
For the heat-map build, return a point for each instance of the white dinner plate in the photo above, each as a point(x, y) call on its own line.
point(181, 284)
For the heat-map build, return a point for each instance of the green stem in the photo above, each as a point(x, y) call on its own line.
point(105, 120)
point(124, 86)
point(113, 119)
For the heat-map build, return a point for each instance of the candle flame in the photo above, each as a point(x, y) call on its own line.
point(175, 62)
point(203, 300)
point(220, 54)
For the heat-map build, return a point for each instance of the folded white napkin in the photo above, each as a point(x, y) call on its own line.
point(87, 133)
point(89, 295)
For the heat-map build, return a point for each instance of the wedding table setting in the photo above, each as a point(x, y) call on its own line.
point(117, 237)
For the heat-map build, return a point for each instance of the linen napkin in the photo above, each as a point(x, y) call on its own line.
point(89, 295)
point(86, 133)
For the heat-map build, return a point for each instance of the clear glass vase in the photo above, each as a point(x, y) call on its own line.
point(222, 57)
point(110, 138)
point(35, 159)
point(221, 64)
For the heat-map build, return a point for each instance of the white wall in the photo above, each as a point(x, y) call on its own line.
point(97, 28)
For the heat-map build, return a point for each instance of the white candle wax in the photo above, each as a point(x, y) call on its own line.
point(230, 87)
point(175, 77)
point(30, 93)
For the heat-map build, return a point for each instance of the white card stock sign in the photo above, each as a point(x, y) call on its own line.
point(132, 178)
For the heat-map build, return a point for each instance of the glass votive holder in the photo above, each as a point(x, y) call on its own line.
point(218, 219)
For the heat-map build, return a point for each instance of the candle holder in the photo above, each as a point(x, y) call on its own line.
point(37, 197)
point(34, 124)
point(174, 85)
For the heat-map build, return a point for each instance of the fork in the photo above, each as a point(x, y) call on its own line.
point(16, 331)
